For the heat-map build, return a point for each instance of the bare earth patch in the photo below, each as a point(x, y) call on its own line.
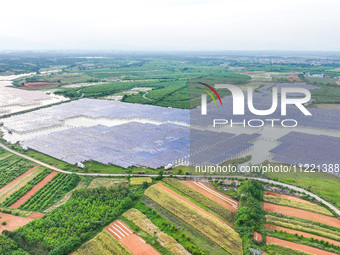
point(13, 222)
point(131, 241)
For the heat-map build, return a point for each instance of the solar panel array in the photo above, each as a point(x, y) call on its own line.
point(301, 148)
point(217, 147)
point(94, 108)
point(132, 144)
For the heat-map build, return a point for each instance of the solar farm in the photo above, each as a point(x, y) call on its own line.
point(152, 136)
point(298, 148)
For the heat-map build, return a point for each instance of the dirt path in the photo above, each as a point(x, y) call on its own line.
point(286, 197)
point(33, 191)
point(125, 235)
point(13, 222)
point(191, 203)
point(299, 247)
point(307, 235)
point(220, 198)
point(303, 214)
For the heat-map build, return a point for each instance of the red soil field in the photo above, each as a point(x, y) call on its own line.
point(191, 203)
point(39, 85)
point(257, 237)
point(307, 235)
point(33, 191)
point(18, 178)
point(13, 222)
point(296, 246)
point(211, 193)
point(286, 197)
point(36, 215)
point(132, 242)
point(303, 214)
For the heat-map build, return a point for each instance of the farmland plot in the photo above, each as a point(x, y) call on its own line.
point(298, 213)
point(215, 230)
point(141, 221)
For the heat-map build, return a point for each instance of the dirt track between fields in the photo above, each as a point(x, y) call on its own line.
point(190, 203)
point(307, 235)
point(13, 222)
point(30, 193)
point(299, 247)
point(231, 206)
point(303, 214)
point(286, 197)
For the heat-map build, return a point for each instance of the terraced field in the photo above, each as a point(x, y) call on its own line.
point(214, 229)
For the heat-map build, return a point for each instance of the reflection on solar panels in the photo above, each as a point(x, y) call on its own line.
point(93, 108)
point(132, 144)
point(214, 148)
point(300, 148)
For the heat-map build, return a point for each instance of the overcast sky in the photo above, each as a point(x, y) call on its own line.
point(171, 24)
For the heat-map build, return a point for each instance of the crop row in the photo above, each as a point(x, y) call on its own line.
point(281, 250)
point(216, 231)
point(23, 190)
point(167, 227)
point(51, 192)
point(295, 238)
point(303, 226)
point(139, 180)
point(297, 204)
point(141, 221)
point(104, 244)
point(216, 207)
point(64, 229)
point(11, 168)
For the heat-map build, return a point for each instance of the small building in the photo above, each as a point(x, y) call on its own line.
point(318, 75)
point(80, 165)
point(168, 167)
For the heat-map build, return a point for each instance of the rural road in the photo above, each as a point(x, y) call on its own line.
point(177, 176)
